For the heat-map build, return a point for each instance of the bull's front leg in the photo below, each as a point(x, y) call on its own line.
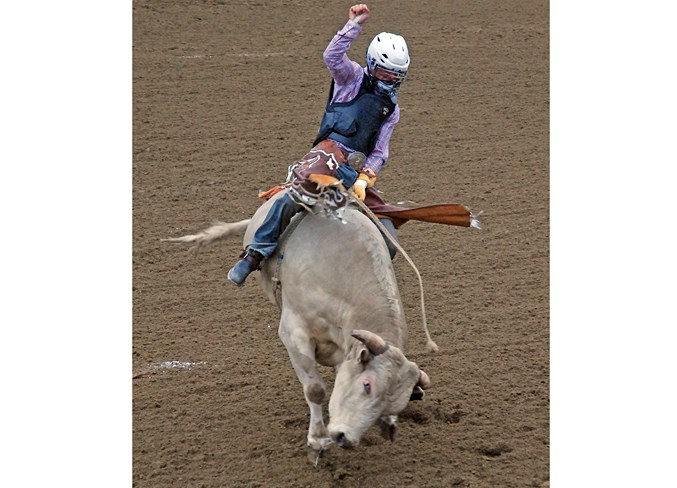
point(294, 334)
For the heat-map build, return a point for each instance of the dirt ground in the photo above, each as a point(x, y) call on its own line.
point(228, 93)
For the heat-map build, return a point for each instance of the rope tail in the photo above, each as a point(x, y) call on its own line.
point(430, 345)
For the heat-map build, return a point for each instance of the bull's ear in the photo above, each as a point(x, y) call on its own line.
point(422, 384)
point(364, 355)
point(417, 394)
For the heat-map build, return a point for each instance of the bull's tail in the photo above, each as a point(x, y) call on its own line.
point(218, 231)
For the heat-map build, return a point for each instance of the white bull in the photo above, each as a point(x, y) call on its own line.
point(340, 306)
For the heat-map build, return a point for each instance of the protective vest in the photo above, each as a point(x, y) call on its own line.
point(355, 123)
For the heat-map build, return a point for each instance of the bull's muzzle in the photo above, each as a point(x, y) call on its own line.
point(341, 440)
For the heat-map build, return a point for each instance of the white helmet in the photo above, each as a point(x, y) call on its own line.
point(388, 52)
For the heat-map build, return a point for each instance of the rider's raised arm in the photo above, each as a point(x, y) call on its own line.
point(341, 67)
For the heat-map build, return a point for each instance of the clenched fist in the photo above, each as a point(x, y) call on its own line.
point(358, 13)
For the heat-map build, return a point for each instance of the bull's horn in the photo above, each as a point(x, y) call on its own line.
point(424, 380)
point(374, 342)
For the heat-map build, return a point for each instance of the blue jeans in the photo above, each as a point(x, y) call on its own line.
point(266, 237)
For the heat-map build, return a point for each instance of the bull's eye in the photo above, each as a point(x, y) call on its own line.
point(367, 387)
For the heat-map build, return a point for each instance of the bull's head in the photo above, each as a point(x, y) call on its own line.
point(375, 381)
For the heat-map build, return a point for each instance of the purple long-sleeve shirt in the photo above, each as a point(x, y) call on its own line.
point(348, 77)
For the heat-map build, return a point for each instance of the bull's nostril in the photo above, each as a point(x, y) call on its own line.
point(340, 439)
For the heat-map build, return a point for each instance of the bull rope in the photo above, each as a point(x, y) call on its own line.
point(430, 345)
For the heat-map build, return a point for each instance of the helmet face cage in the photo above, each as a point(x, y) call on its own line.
point(373, 67)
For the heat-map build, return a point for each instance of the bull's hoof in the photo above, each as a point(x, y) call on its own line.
point(314, 455)
point(316, 447)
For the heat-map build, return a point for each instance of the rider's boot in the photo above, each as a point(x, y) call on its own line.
point(265, 239)
point(250, 261)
